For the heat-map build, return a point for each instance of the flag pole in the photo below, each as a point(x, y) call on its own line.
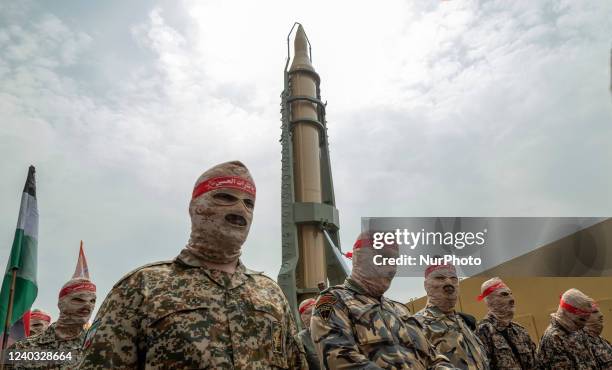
point(9, 314)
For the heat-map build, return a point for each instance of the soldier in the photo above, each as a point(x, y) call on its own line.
point(507, 344)
point(443, 327)
point(304, 337)
point(559, 349)
point(39, 321)
point(599, 346)
point(204, 309)
point(77, 299)
point(354, 326)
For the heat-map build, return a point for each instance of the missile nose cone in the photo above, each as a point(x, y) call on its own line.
point(301, 60)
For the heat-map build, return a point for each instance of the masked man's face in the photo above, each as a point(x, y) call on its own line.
point(221, 220)
point(77, 307)
point(38, 326)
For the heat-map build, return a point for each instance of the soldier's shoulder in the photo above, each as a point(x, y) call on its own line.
point(422, 315)
point(22, 344)
point(263, 281)
point(401, 309)
point(485, 325)
point(155, 268)
point(518, 327)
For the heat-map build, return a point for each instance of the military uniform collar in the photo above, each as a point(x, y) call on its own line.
point(437, 313)
point(353, 286)
point(496, 323)
point(47, 336)
point(222, 278)
point(557, 324)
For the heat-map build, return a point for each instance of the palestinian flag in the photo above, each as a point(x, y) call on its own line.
point(81, 271)
point(23, 259)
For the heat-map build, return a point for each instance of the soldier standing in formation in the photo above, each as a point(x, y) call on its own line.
point(355, 327)
point(39, 321)
point(599, 346)
point(204, 309)
point(560, 347)
point(304, 336)
point(77, 299)
point(443, 327)
point(507, 344)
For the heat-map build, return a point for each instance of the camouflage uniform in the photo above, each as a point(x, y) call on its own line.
point(452, 338)
point(562, 350)
point(508, 347)
point(600, 349)
point(48, 341)
point(352, 330)
point(305, 339)
point(179, 314)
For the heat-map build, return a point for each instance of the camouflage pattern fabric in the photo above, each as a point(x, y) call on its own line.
point(452, 338)
point(182, 315)
point(600, 348)
point(507, 347)
point(48, 341)
point(561, 349)
point(305, 340)
point(352, 330)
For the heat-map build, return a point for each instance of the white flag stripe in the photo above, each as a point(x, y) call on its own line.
point(28, 216)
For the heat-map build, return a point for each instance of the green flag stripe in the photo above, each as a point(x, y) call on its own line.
point(22, 302)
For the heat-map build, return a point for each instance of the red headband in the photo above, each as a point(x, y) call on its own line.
point(224, 182)
point(307, 305)
point(77, 287)
point(433, 268)
point(40, 316)
point(491, 289)
point(575, 310)
point(365, 242)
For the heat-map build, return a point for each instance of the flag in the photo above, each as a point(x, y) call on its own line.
point(81, 271)
point(23, 259)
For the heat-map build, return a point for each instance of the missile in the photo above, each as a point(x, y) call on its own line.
point(312, 267)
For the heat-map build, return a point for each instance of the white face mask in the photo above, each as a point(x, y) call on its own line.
point(501, 305)
point(221, 218)
point(76, 308)
point(442, 287)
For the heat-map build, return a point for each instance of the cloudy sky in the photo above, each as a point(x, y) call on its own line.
point(435, 108)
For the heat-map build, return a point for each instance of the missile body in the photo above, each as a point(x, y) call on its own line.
point(312, 267)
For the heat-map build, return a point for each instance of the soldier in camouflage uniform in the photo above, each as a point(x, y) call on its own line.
point(204, 309)
point(77, 299)
point(39, 322)
point(600, 348)
point(304, 336)
point(443, 327)
point(507, 344)
point(561, 347)
point(355, 327)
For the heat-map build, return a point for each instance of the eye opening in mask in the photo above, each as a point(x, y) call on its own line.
point(226, 199)
point(222, 198)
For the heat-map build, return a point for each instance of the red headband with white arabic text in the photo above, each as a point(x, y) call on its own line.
point(491, 289)
point(40, 316)
point(78, 287)
point(224, 182)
